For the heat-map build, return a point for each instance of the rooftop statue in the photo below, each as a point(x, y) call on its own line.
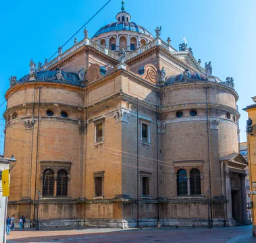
point(32, 70)
point(59, 50)
point(58, 75)
point(39, 65)
point(182, 47)
point(158, 31)
point(230, 82)
point(162, 75)
point(81, 74)
point(85, 33)
point(122, 55)
point(13, 80)
point(208, 68)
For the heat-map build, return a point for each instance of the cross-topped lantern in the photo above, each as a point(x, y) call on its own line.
point(122, 6)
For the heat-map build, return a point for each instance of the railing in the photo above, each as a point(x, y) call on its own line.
point(78, 45)
point(106, 51)
point(153, 43)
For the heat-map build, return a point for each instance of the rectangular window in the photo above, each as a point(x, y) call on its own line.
point(98, 186)
point(113, 47)
point(144, 132)
point(145, 186)
point(99, 132)
point(132, 47)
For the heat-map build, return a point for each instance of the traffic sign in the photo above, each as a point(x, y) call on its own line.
point(252, 192)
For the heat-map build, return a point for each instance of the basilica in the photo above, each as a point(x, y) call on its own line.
point(124, 130)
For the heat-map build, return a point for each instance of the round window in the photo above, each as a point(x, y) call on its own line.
point(49, 113)
point(179, 113)
point(228, 115)
point(64, 114)
point(193, 112)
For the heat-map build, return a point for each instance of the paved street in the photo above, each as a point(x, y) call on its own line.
point(240, 234)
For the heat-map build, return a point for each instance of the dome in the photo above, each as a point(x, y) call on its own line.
point(123, 26)
point(56, 76)
point(185, 77)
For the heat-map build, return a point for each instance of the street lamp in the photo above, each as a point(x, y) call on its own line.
point(37, 220)
point(12, 161)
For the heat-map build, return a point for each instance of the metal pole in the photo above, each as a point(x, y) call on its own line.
point(138, 217)
point(208, 158)
point(37, 220)
point(157, 173)
point(37, 142)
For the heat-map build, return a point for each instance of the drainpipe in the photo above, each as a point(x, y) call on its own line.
point(208, 158)
point(157, 171)
point(138, 217)
point(37, 145)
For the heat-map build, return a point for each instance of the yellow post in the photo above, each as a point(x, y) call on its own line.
point(5, 183)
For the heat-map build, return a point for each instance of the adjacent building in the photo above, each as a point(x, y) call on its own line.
point(125, 130)
point(251, 147)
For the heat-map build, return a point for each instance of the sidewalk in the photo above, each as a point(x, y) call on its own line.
point(239, 234)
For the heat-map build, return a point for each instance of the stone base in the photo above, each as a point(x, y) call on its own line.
point(116, 223)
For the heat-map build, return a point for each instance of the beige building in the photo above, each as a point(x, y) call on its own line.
point(124, 130)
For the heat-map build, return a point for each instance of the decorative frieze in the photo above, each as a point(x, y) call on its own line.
point(93, 73)
point(149, 72)
point(29, 124)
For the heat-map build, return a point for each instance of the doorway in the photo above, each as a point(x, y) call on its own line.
point(236, 206)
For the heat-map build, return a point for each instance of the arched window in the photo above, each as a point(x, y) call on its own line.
point(228, 115)
point(143, 42)
point(48, 183)
point(103, 42)
point(14, 115)
point(122, 18)
point(195, 182)
point(182, 183)
point(62, 183)
point(123, 43)
point(112, 43)
point(133, 43)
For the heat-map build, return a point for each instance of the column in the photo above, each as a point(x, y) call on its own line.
point(128, 43)
point(55, 185)
point(228, 192)
point(107, 42)
point(117, 43)
point(243, 199)
point(69, 186)
point(188, 178)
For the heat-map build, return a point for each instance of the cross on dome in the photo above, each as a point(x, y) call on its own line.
point(122, 6)
point(123, 16)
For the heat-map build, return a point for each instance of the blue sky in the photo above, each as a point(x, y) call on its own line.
point(220, 31)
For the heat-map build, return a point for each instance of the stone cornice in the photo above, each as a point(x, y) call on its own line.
point(38, 84)
point(204, 84)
